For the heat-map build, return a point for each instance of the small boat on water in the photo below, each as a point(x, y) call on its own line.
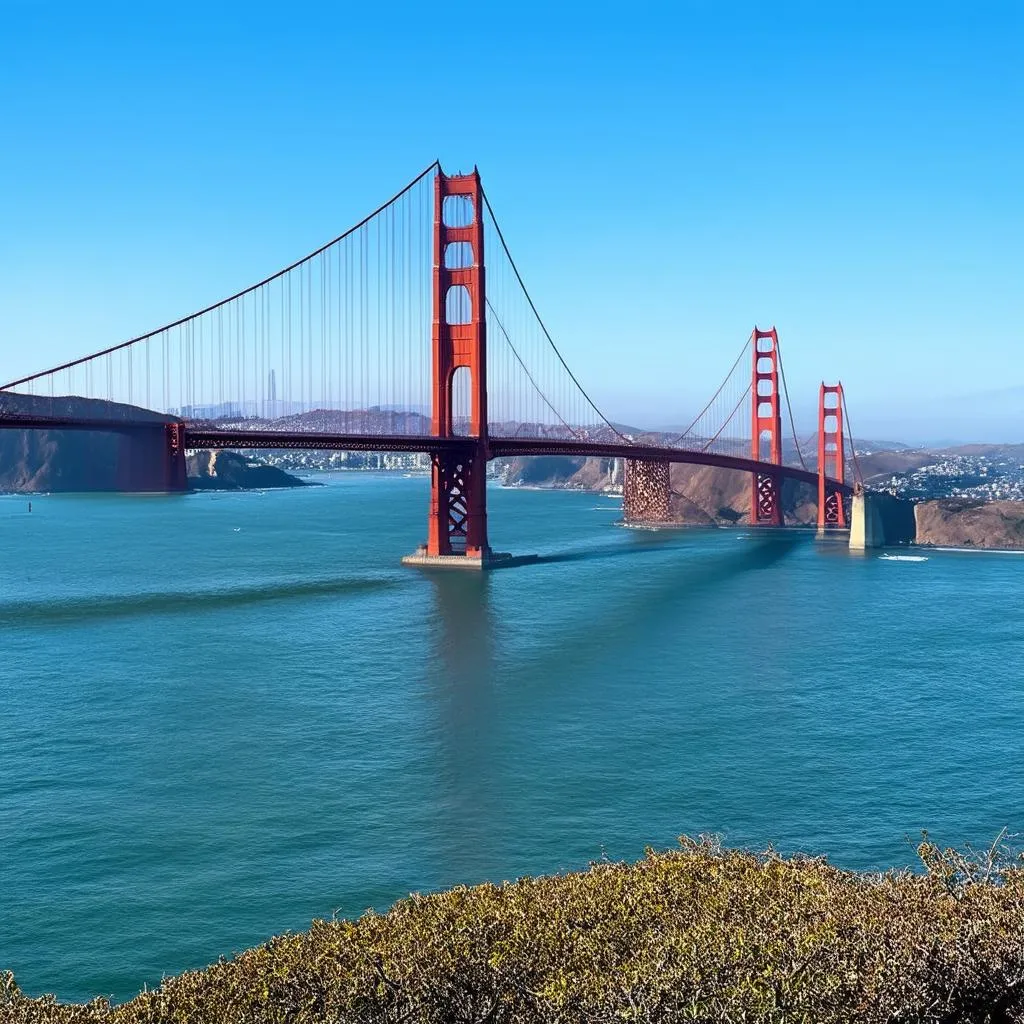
point(903, 558)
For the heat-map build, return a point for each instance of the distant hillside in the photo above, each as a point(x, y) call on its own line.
point(883, 464)
point(989, 450)
point(72, 406)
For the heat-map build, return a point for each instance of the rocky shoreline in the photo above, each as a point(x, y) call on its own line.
point(964, 523)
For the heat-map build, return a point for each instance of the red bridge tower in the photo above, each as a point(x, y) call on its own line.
point(458, 498)
point(831, 457)
point(766, 418)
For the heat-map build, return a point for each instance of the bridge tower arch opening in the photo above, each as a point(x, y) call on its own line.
point(831, 457)
point(458, 498)
point(766, 428)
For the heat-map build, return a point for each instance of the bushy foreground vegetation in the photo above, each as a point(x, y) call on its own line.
point(700, 934)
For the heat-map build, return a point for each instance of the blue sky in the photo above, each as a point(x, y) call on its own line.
point(667, 175)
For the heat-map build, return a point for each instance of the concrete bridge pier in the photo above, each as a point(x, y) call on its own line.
point(880, 519)
point(866, 527)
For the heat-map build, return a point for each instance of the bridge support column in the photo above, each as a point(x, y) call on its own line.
point(646, 492)
point(457, 520)
point(766, 419)
point(175, 470)
point(831, 459)
point(766, 508)
point(458, 505)
point(867, 529)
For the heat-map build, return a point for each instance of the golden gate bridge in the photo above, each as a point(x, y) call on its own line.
point(400, 336)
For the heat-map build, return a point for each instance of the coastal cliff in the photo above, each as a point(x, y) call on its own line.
point(962, 523)
point(33, 461)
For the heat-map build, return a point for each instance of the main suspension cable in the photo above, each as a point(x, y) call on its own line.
point(853, 446)
point(223, 302)
point(544, 398)
point(543, 327)
point(785, 391)
point(729, 420)
point(721, 386)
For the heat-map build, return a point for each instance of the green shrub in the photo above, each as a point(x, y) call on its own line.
point(699, 934)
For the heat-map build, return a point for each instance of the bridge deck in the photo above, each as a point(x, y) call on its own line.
point(199, 436)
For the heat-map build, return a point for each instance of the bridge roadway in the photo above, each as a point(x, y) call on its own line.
point(199, 436)
point(497, 447)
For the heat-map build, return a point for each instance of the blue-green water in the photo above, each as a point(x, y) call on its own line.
point(224, 715)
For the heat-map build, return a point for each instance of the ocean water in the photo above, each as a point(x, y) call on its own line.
point(223, 715)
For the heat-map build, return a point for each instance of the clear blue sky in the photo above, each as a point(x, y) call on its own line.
point(667, 175)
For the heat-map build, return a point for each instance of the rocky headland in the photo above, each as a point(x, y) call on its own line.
point(229, 471)
point(962, 523)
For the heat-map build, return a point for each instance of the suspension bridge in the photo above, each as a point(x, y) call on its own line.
point(400, 336)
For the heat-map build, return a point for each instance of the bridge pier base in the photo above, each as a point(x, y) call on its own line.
point(879, 520)
point(420, 559)
point(766, 500)
point(646, 492)
point(866, 528)
point(457, 521)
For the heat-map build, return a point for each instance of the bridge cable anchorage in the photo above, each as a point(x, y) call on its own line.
point(725, 380)
point(792, 424)
point(849, 430)
point(232, 298)
point(544, 398)
point(543, 326)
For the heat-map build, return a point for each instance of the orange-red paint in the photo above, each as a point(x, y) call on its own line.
point(766, 418)
point(458, 498)
point(831, 457)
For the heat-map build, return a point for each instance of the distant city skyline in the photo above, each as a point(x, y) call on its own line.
point(667, 180)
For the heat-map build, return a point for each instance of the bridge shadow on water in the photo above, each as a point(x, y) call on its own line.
point(662, 603)
point(486, 689)
point(643, 542)
point(72, 610)
point(463, 676)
